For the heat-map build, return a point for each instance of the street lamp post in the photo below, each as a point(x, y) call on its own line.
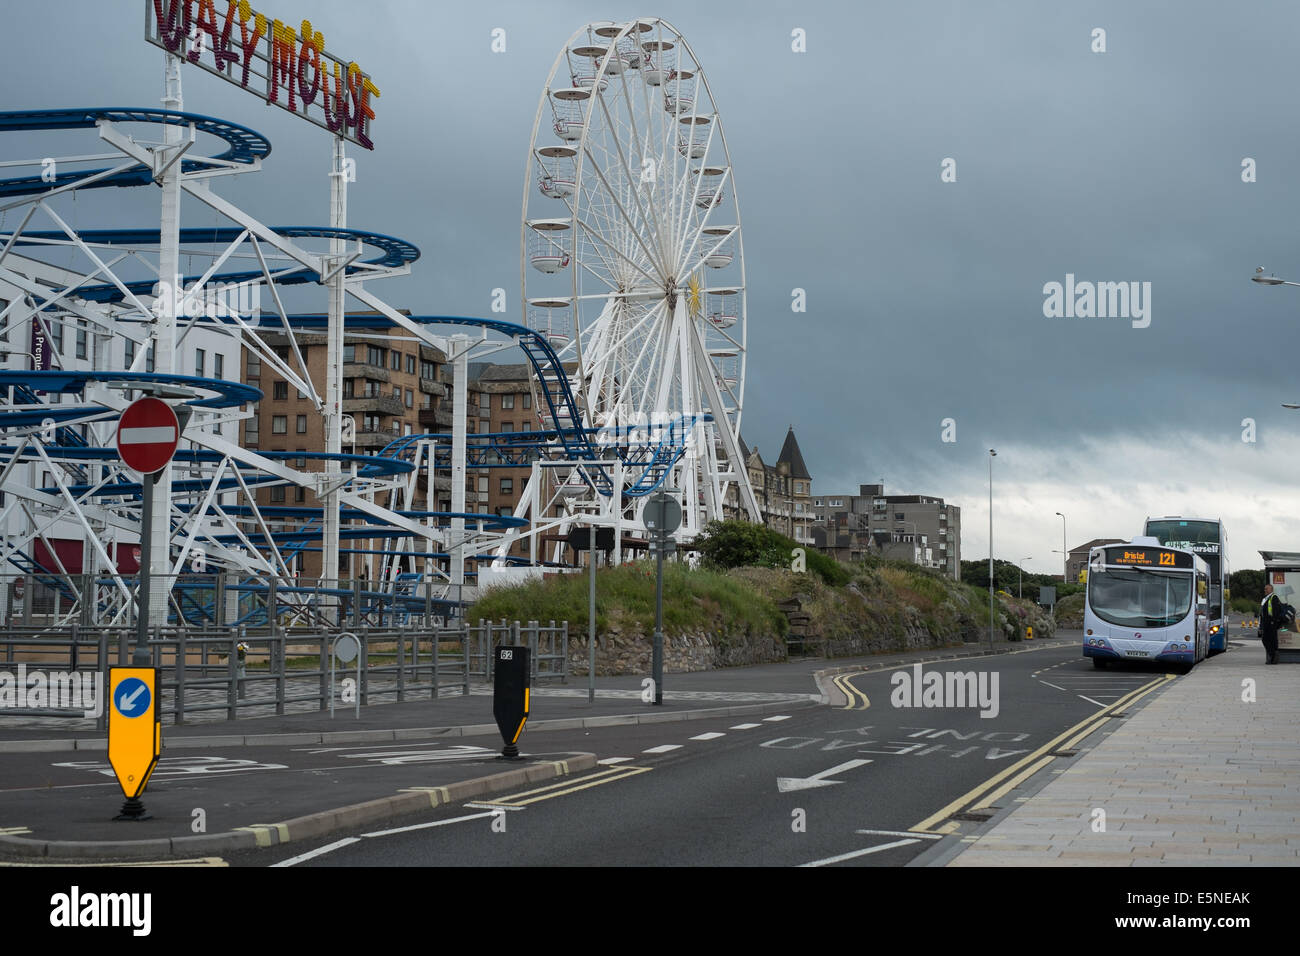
point(1065, 555)
point(992, 454)
point(1020, 593)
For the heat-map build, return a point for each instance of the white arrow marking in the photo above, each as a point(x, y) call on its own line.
point(786, 784)
point(124, 702)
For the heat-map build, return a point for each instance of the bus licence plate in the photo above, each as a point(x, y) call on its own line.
point(1135, 653)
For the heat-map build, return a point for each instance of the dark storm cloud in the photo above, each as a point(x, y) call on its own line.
point(924, 298)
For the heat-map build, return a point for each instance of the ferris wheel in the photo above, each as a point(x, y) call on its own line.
point(632, 262)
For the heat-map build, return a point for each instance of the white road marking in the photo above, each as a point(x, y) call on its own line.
point(491, 806)
point(1057, 686)
point(1091, 701)
point(745, 726)
point(902, 833)
point(319, 851)
point(662, 749)
point(709, 736)
point(779, 717)
point(614, 760)
point(436, 823)
point(786, 784)
point(856, 853)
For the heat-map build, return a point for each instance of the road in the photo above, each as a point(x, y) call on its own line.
point(875, 780)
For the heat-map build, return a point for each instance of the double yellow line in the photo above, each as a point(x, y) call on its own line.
point(856, 699)
point(999, 785)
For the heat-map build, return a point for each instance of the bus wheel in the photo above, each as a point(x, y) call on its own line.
point(1099, 663)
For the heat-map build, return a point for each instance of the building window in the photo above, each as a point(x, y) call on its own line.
point(130, 353)
point(83, 342)
point(898, 515)
point(507, 486)
point(505, 511)
point(410, 365)
point(349, 353)
point(528, 400)
point(302, 424)
point(250, 431)
point(300, 494)
point(507, 402)
point(410, 398)
point(348, 387)
point(277, 494)
point(279, 425)
point(397, 392)
point(200, 362)
point(301, 462)
point(507, 426)
point(397, 361)
point(148, 360)
point(254, 367)
point(219, 366)
point(375, 356)
point(426, 402)
point(280, 391)
point(483, 484)
point(428, 370)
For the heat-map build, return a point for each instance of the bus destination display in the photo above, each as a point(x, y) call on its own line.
point(1148, 557)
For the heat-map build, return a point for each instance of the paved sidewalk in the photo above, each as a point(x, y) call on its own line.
point(1197, 776)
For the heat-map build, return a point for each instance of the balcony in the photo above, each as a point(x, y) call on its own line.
point(383, 404)
point(365, 370)
point(377, 439)
point(432, 387)
point(432, 419)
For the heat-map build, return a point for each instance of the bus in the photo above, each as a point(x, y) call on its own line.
point(1146, 602)
point(1207, 538)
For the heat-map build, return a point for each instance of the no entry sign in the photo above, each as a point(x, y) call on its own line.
point(147, 435)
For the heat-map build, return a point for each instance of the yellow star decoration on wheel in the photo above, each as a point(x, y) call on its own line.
point(694, 300)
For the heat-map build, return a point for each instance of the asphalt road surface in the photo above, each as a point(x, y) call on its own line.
point(874, 780)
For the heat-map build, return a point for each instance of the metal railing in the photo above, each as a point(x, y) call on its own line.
point(202, 673)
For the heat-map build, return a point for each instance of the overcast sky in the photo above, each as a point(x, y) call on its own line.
point(925, 298)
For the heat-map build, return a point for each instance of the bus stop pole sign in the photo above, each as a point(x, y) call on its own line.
point(510, 693)
point(134, 733)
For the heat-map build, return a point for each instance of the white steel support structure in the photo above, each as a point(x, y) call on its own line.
point(460, 412)
point(334, 363)
point(164, 329)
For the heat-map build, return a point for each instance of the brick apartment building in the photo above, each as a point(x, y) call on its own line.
point(393, 385)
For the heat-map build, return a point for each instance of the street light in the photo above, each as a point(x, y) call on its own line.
point(1021, 590)
point(1269, 279)
point(1065, 555)
point(992, 454)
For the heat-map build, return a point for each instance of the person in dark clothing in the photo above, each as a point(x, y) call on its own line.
point(1270, 617)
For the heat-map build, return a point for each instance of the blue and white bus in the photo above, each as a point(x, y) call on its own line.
point(1148, 603)
point(1207, 538)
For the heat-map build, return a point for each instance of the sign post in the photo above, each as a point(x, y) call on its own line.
point(510, 692)
point(663, 516)
point(147, 435)
point(134, 733)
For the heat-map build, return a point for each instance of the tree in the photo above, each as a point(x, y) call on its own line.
point(1248, 584)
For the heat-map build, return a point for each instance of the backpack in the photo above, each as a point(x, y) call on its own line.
point(1286, 618)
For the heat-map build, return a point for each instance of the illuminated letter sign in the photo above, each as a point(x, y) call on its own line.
point(284, 68)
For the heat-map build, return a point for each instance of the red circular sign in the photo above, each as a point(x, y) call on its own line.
point(147, 435)
point(19, 586)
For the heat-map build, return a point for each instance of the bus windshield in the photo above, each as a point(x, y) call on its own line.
point(1176, 532)
point(1132, 597)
